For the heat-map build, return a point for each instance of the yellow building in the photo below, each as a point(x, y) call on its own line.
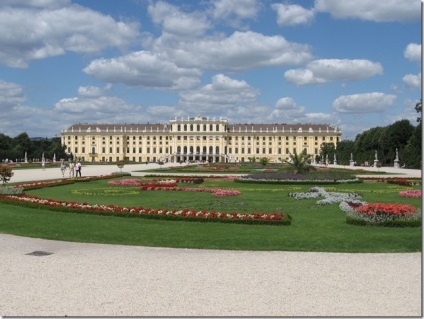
point(195, 139)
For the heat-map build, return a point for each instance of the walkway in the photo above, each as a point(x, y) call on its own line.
point(79, 279)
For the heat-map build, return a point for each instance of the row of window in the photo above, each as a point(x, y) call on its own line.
point(229, 138)
point(188, 150)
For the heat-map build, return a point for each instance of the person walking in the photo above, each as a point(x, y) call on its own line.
point(71, 169)
point(78, 169)
point(62, 167)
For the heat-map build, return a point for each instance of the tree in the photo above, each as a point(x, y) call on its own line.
point(264, 161)
point(419, 109)
point(344, 151)
point(327, 149)
point(5, 173)
point(299, 163)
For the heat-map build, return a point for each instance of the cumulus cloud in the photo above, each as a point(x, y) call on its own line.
point(235, 12)
point(412, 80)
point(239, 52)
point(413, 52)
point(286, 110)
point(177, 22)
point(364, 103)
point(11, 95)
point(378, 11)
point(219, 95)
point(292, 14)
point(41, 32)
point(144, 69)
point(325, 70)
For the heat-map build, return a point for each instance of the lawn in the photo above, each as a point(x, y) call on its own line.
point(313, 228)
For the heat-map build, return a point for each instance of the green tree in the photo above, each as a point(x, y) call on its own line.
point(344, 151)
point(264, 161)
point(299, 163)
point(327, 149)
point(5, 173)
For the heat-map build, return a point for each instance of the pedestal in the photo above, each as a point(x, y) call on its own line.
point(375, 163)
point(397, 164)
point(351, 163)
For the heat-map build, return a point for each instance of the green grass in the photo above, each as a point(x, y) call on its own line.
point(314, 228)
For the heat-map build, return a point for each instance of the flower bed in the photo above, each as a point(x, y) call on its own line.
point(321, 177)
point(112, 210)
point(173, 187)
point(36, 185)
point(382, 214)
point(400, 181)
point(194, 177)
point(411, 193)
point(329, 197)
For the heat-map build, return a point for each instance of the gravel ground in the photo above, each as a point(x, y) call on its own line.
point(80, 279)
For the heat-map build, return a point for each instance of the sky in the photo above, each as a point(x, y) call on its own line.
point(351, 64)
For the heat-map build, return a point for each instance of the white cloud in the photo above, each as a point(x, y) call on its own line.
point(378, 11)
point(412, 80)
point(413, 52)
point(292, 14)
point(92, 91)
point(144, 69)
point(11, 95)
point(239, 52)
point(364, 103)
point(235, 12)
point(286, 110)
point(408, 112)
point(218, 96)
point(37, 33)
point(176, 22)
point(325, 70)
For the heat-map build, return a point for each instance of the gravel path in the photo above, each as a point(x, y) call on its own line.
point(79, 279)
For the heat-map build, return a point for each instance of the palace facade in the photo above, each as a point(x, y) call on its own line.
point(195, 139)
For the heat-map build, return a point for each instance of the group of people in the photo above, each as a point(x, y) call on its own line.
point(74, 169)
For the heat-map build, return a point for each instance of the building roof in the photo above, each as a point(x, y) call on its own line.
point(236, 128)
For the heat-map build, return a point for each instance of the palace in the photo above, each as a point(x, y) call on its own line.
point(195, 139)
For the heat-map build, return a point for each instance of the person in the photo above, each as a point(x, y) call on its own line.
point(78, 169)
point(62, 168)
point(71, 169)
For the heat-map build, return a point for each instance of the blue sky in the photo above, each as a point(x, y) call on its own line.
point(353, 64)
